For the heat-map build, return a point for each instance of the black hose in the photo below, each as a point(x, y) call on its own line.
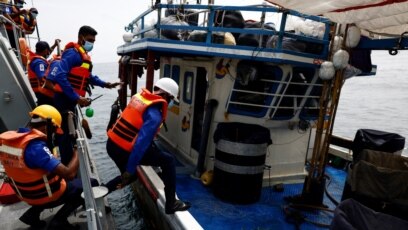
point(211, 104)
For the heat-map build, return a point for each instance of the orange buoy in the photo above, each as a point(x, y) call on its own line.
point(207, 177)
point(23, 50)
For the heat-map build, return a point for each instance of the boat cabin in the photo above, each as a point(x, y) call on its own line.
point(233, 70)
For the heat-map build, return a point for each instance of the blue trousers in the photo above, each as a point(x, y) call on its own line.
point(65, 142)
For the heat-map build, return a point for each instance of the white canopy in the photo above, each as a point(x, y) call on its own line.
point(378, 16)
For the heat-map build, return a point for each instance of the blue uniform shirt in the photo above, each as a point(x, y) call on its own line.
point(59, 72)
point(38, 155)
point(39, 66)
point(152, 118)
point(6, 9)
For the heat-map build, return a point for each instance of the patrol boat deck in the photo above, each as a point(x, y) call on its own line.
point(17, 101)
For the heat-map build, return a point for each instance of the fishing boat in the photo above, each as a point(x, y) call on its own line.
point(259, 90)
point(17, 101)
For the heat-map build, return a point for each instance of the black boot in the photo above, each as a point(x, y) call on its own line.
point(60, 221)
point(178, 205)
point(112, 185)
point(32, 217)
point(170, 195)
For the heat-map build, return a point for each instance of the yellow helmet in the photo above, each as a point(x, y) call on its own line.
point(48, 111)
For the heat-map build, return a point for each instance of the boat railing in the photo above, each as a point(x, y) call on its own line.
point(16, 31)
point(300, 99)
point(341, 147)
point(209, 25)
point(96, 218)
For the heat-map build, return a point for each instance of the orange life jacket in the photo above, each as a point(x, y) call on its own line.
point(79, 76)
point(124, 132)
point(47, 86)
point(30, 26)
point(32, 77)
point(34, 186)
point(16, 18)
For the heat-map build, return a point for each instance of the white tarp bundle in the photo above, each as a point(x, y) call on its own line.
point(378, 16)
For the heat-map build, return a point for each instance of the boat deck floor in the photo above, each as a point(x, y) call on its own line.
point(267, 213)
point(10, 214)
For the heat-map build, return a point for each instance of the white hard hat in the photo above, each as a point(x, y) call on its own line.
point(169, 86)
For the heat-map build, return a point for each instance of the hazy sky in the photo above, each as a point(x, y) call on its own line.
point(63, 18)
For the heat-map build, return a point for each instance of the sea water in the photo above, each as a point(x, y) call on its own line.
point(375, 102)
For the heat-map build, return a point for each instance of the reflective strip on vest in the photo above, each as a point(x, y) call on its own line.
point(42, 192)
point(85, 65)
point(47, 186)
point(15, 187)
point(18, 152)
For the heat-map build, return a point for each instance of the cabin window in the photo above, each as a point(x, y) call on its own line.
point(175, 73)
point(253, 92)
point(188, 87)
point(166, 70)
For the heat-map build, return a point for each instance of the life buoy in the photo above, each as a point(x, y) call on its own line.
point(23, 50)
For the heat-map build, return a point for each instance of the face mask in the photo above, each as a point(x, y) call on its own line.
point(88, 46)
point(34, 15)
point(171, 103)
point(19, 5)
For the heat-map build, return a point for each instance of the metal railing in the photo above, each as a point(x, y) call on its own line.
point(17, 33)
point(278, 96)
point(210, 26)
point(95, 217)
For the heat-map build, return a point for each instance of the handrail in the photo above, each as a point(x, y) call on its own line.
point(9, 21)
point(282, 95)
point(15, 28)
point(210, 28)
point(94, 220)
point(304, 97)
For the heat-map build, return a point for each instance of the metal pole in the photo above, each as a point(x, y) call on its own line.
point(38, 32)
point(90, 204)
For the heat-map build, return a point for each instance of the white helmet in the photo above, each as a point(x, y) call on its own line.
point(169, 86)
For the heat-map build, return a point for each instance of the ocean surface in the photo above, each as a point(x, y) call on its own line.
point(376, 102)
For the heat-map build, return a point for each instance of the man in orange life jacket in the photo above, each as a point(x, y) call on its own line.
point(71, 76)
point(29, 20)
point(36, 67)
point(38, 178)
point(130, 140)
point(14, 16)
